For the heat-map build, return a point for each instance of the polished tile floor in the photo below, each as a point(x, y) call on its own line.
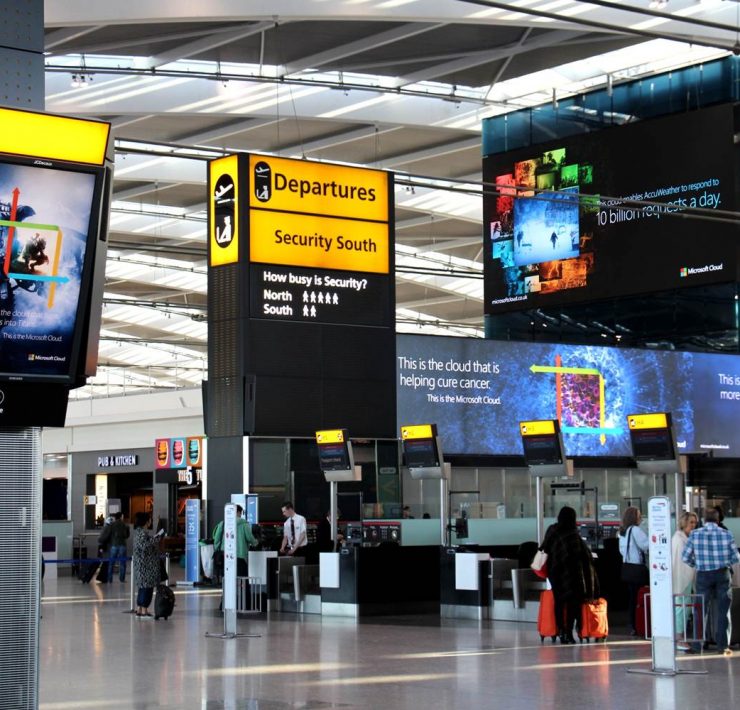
point(94, 655)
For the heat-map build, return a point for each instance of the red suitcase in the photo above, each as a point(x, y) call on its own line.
point(594, 623)
point(546, 617)
point(642, 612)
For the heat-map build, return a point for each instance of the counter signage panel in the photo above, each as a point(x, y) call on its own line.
point(318, 295)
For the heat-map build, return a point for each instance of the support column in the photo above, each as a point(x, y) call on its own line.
point(21, 462)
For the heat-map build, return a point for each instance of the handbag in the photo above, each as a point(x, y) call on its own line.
point(539, 564)
point(634, 572)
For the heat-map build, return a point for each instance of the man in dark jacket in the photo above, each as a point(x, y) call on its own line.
point(118, 535)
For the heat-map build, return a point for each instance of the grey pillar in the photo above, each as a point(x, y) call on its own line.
point(21, 465)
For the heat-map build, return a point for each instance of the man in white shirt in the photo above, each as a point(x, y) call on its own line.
point(294, 532)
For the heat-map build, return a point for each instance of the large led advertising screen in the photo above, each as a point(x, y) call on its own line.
point(477, 392)
point(48, 215)
point(633, 209)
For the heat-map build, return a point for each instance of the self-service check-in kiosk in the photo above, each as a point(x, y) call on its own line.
point(423, 455)
point(654, 450)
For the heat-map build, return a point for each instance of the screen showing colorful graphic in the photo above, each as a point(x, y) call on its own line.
point(621, 211)
point(477, 391)
point(45, 222)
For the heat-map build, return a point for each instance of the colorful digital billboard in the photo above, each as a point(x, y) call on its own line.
point(477, 391)
point(632, 209)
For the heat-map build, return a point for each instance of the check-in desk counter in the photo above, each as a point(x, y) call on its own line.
point(262, 565)
point(465, 585)
point(515, 592)
point(387, 579)
point(293, 586)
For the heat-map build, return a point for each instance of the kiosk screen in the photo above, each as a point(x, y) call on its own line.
point(334, 456)
point(421, 453)
point(542, 449)
point(652, 445)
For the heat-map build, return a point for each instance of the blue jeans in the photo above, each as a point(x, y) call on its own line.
point(117, 552)
point(717, 592)
point(144, 597)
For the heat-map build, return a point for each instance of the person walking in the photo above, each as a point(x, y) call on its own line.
point(570, 571)
point(147, 573)
point(712, 551)
point(119, 533)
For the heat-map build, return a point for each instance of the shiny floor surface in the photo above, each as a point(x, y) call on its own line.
point(93, 655)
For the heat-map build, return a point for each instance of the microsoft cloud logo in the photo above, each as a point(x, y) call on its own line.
point(684, 272)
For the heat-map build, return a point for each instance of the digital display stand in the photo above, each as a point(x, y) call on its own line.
point(544, 455)
point(423, 455)
point(337, 464)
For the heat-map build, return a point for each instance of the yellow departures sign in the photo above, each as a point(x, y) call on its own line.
point(44, 135)
point(537, 428)
point(318, 215)
point(659, 420)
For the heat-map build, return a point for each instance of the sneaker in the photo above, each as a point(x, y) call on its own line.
point(725, 652)
point(682, 646)
point(691, 650)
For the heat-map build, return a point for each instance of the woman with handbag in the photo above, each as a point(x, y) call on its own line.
point(683, 575)
point(633, 546)
point(570, 571)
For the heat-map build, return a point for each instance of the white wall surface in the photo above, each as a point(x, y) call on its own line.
point(134, 421)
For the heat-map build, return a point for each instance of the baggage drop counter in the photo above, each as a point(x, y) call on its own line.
point(382, 580)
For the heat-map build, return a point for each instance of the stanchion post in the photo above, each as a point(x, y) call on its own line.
point(133, 590)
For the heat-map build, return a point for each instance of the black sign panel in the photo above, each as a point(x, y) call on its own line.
point(319, 295)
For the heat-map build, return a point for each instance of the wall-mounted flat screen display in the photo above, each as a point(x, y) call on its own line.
point(590, 390)
point(632, 209)
point(48, 218)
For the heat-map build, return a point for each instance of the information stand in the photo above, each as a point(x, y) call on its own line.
point(662, 617)
point(229, 581)
point(423, 454)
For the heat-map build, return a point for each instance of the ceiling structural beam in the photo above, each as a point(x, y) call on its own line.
point(426, 302)
point(213, 135)
point(447, 244)
point(433, 152)
point(132, 192)
point(425, 221)
point(320, 59)
point(486, 56)
point(336, 139)
point(120, 121)
point(505, 65)
point(207, 43)
point(67, 34)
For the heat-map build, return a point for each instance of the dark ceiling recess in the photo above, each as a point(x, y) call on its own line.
point(697, 319)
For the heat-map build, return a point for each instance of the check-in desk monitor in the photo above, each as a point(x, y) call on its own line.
point(542, 444)
point(422, 451)
point(653, 442)
point(335, 456)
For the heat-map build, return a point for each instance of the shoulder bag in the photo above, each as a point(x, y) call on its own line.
point(539, 564)
point(634, 572)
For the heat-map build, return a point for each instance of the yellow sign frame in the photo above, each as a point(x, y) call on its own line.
point(418, 431)
point(331, 436)
point(656, 420)
point(538, 427)
point(228, 165)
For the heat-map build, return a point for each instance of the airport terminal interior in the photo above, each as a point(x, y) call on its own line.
point(435, 271)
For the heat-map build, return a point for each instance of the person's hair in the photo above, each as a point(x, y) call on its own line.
point(141, 519)
point(239, 510)
point(684, 518)
point(711, 515)
point(567, 518)
point(629, 519)
point(288, 505)
point(118, 515)
point(720, 513)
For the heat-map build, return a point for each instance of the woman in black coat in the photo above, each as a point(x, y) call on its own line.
point(570, 571)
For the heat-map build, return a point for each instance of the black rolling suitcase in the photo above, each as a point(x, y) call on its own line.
point(164, 602)
point(102, 575)
point(88, 570)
